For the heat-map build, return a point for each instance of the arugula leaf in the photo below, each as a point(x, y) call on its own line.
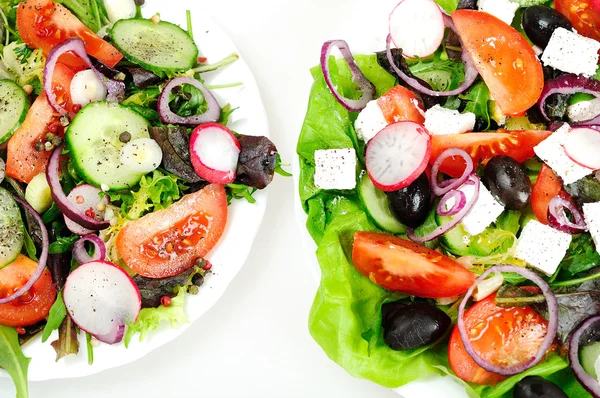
point(91, 12)
point(90, 348)
point(67, 343)
point(240, 191)
point(29, 246)
point(57, 314)
point(63, 244)
point(448, 5)
point(13, 361)
point(279, 169)
point(477, 98)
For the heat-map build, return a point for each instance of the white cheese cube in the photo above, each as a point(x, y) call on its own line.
point(441, 121)
point(542, 246)
point(570, 52)
point(584, 110)
point(485, 211)
point(335, 168)
point(552, 152)
point(504, 10)
point(591, 214)
point(370, 121)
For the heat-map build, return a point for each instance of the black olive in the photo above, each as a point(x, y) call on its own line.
point(539, 22)
point(507, 181)
point(467, 5)
point(410, 205)
point(480, 124)
point(406, 327)
point(536, 386)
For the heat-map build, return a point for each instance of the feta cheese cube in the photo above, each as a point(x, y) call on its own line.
point(570, 52)
point(335, 168)
point(485, 211)
point(504, 10)
point(370, 121)
point(591, 214)
point(441, 121)
point(542, 246)
point(584, 110)
point(552, 152)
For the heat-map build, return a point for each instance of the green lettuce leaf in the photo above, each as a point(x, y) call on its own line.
point(13, 361)
point(91, 12)
point(448, 5)
point(57, 314)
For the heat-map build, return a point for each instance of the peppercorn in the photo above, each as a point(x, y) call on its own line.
point(125, 137)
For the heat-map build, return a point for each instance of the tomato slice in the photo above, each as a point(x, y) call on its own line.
point(503, 58)
point(404, 266)
point(502, 336)
point(44, 23)
point(547, 186)
point(518, 144)
point(167, 242)
point(583, 14)
point(61, 86)
point(34, 305)
point(400, 104)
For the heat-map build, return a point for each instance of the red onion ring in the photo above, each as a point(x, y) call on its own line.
point(115, 88)
point(366, 87)
point(548, 339)
point(212, 114)
point(569, 84)
point(460, 200)
point(61, 200)
point(557, 218)
point(81, 255)
point(445, 186)
point(470, 69)
point(43, 256)
point(2, 170)
point(442, 229)
point(587, 381)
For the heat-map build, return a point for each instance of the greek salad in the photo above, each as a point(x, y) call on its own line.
point(116, 171)
point(452, 186)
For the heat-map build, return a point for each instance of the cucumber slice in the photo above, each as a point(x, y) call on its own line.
point(38, 193)
point(14, 105)
point(159, 47)
point(11, 229)
point(93, 141)
point(376, 204)
point(588, 356)
point(457, 241)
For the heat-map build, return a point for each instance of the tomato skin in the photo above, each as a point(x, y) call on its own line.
point(503, 336)
point(34, 305)
point(401, 265)
point(518, 144)
point(43, 24)
point(503, 58)
point(547, 186)
point(401, 104)
point(583, 14)
point(158, 245)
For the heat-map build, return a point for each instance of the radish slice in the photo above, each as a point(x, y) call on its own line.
point(417, 27)
point(214, 152)
point(85, 197)
point(102, 299)
point(582, 146)
point(397, 155)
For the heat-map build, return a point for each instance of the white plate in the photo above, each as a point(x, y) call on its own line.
point(243, 223)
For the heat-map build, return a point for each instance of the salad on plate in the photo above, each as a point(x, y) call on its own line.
point(116, 171)
point(451, 184)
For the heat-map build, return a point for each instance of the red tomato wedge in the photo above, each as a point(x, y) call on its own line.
point(400, 104)
point(518, 144)
point(503, 58)
point(547, 186)
point(503, 336)
point(401, 265)
point(44, 23)
point(583, 14)
point(34, 305)
point(61, 86)
point(167, 242)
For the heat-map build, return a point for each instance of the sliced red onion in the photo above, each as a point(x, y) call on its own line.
point(115, 88)
point(557, 218)
point(587, 381)
point(41, 261)
point(61, 200)
point(445, 186)
point(548, 339)
point(460, 200)
point(80, 253)
point(569, 84)
point(470, 69)
point(212, 114)
point(366, 87)
point(442, 229)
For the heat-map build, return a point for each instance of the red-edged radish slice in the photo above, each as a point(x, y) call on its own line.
point(417, 27)
point(102, 299)
point(582, 146)
point(214, 152)
point(397, 155)
point(85, 198)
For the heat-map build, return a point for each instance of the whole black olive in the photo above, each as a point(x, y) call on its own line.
point(507, 181)
point(406, 327)
point(539, 22)
point(536, 386)
point(467, 5)
point(410, 205)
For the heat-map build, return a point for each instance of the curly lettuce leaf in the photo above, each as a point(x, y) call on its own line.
point(13, 361)
point(25, 65)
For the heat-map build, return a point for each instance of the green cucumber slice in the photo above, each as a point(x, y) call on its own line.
point(11, 229)
point(375, 203)
point(159, 47)
point(14, 105)
point(93, 141)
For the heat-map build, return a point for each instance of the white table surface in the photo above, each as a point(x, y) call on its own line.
point(254, 342)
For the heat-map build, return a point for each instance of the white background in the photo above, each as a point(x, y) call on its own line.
point(254, 342)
